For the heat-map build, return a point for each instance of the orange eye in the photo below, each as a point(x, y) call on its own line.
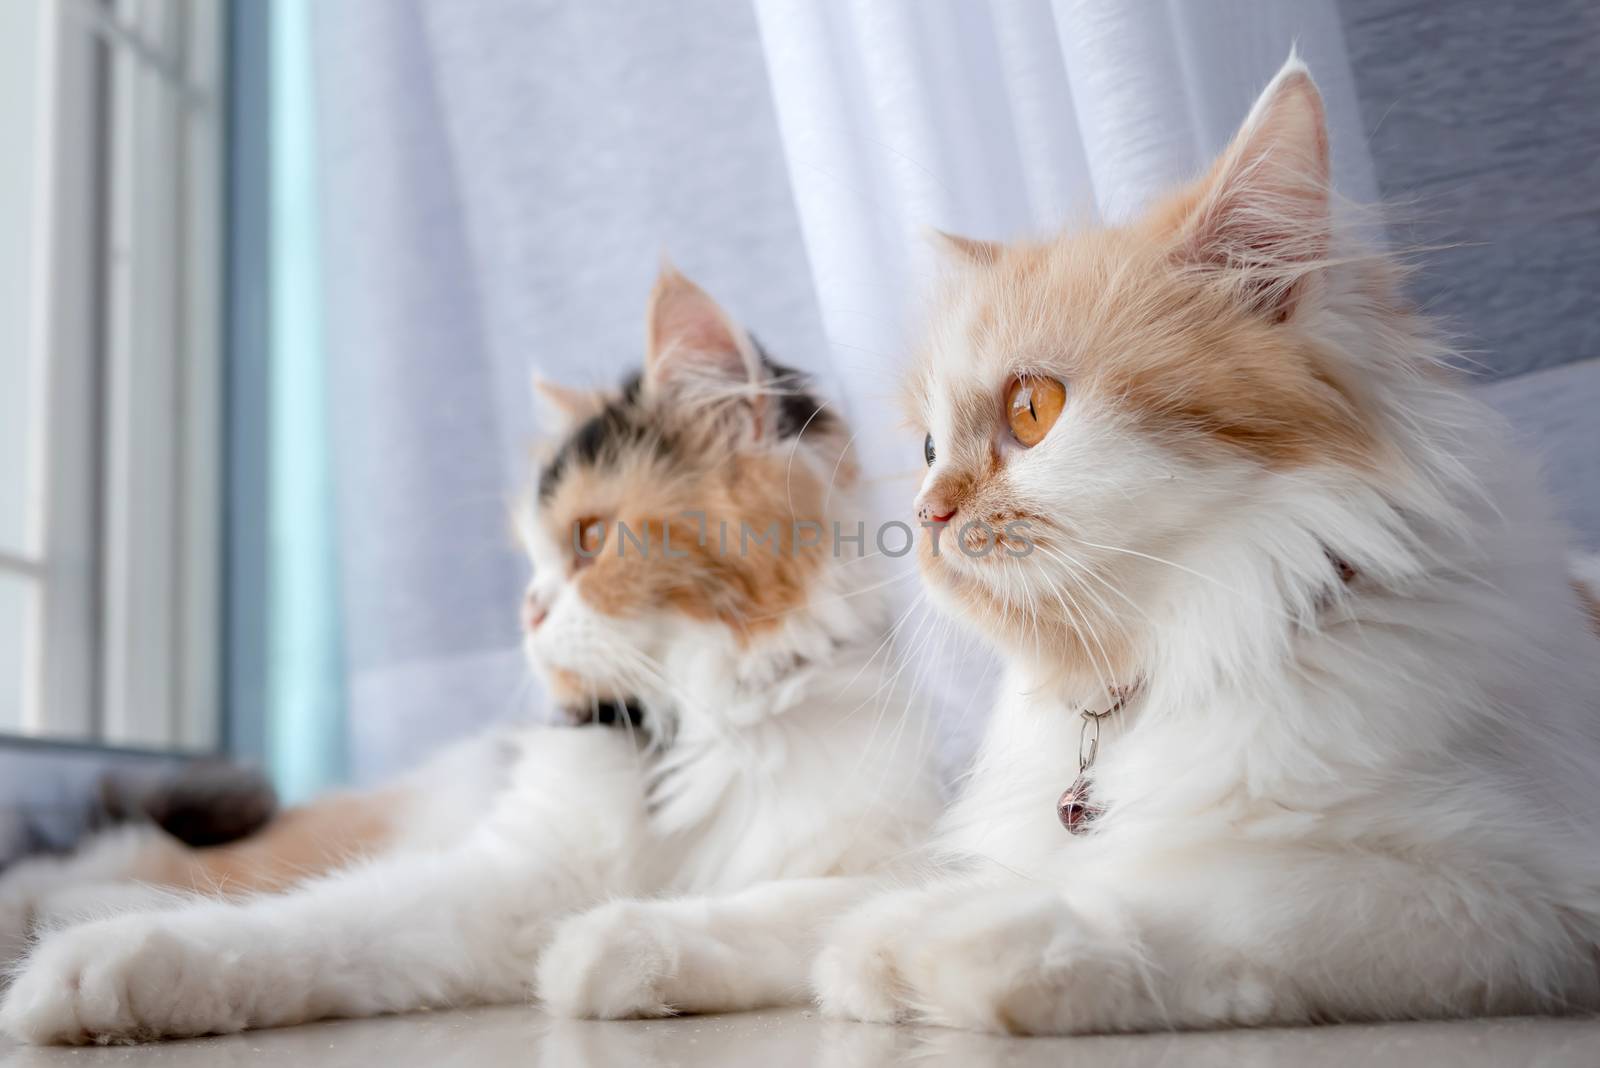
point(588, 535)
point(1033, 404)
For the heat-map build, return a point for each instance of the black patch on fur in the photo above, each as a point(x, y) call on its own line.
point(621, 423)
point(797, 407)
point(627, 714)
point(624, 422)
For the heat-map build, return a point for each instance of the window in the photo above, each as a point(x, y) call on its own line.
point(111, 128)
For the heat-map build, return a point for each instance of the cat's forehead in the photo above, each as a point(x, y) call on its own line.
point(639, 446)
point(646, 470)
point(1029, 306)
point(1113, 315)
point(622, 424)
point(990, 323)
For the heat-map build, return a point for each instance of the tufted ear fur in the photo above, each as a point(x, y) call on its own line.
point(1263, 208)
point(692, 345)
point(965, 249)
point(562, 407)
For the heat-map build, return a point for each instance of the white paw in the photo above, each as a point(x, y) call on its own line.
point(1013, 960)
point(1020, 961)
point(857, 973)
point(128, 979)
point(613, 962)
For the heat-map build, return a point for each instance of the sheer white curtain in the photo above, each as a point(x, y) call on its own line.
point(499, 178)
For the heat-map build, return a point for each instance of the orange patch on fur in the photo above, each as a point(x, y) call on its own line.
point(755, 563)
point(1114, 316)
point(568, 688)
point(299, 844)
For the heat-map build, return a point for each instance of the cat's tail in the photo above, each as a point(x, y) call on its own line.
point(204, 803)
point(1586, 583)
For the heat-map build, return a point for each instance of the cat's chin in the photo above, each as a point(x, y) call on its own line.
point(948, 567)
point(571, 689)
point(964, 591)
point(1058, 648)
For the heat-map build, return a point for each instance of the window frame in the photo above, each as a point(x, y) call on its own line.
point(128, 261)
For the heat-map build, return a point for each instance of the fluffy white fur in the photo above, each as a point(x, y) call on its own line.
point(796, 765)
point(1327, 802)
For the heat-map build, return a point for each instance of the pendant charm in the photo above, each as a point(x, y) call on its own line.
point(1074, 809)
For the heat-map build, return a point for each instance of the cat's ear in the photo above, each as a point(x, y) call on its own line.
point(1264, 207)
point(964, 249)
point(693, 347)
point(563, 406)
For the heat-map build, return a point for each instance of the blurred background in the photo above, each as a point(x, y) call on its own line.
point(274, 275)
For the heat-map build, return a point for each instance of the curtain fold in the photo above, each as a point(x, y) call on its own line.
point(429, 578)
point(500, 177)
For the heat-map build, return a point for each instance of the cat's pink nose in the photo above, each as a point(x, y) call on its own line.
point(534, 612)
point(944, 498)
point(933, 508)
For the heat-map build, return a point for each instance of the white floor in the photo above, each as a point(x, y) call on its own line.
point(792, 1039)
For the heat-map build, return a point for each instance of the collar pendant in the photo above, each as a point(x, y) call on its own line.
point(1074, 808)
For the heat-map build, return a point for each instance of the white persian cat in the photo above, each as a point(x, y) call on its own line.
point(760, 744)
point(1302, 713)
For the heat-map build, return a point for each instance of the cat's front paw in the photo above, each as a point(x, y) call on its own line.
point(614, 962)
point(857, 974)
point(1020, 960)
point(128, 979)
point(1013, 959)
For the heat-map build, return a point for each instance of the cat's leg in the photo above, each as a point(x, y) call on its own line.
point(142, 866)
point(1233, 938)
point(411, 930)
point(747, 950)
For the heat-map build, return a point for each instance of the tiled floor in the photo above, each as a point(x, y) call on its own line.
point(793, 1039)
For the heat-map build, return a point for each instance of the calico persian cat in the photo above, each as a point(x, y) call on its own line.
point(1302, 713)
point(756, 745)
